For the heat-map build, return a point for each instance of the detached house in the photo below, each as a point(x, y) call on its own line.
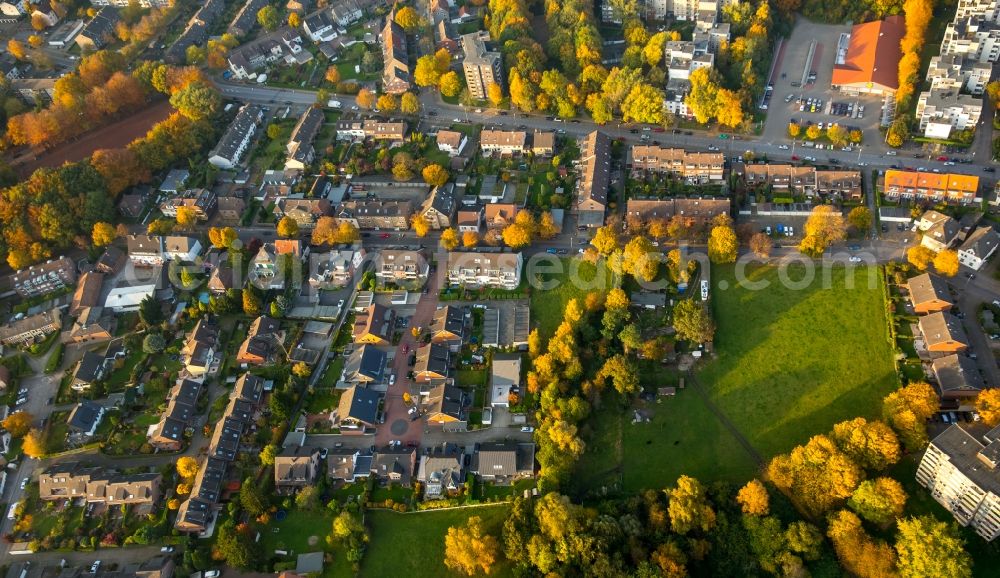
point(451, 142)
point(395, 465)
point(262, 341)
point(504, 462)
point(448, 327)
point(365, 365)
point(446, 406)
point(942, 334)
point(939, 230)
point(295, 468)
point(439, 208)
point(358, 409)
point(929, 294)
point(441, 472)
point(90, 369)
point(181, 248)
point(145, 250)
point(978, 247)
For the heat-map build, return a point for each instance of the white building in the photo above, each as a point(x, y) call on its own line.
point(505, 376)
point(978, 247)
point(122, 299)
point(973, 38)
point(958, 73)
point(236, 140)
point(961, 473)
point(948, 107)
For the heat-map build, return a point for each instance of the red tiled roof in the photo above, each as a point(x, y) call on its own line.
point(873, 54)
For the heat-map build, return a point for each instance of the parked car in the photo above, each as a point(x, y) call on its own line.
point(527, 429)
point(167, 549)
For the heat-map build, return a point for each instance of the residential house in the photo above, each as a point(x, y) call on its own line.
point(319, 26)
point(394, 465)
point(482, 65)
point(929, 294)
point(90, 369)
point(335, 268)
point(396, 77)
point(958, 380)
point(145, 250)
point(222, 279)
point(175, 181)
point(439, 208)
point(348, 464)
point(503, 462)
point(939, 230)
point(441, 472)
point(111, 261)
point(446, 406)
point(451, 142)
point(83, 421)
point(375, 325)
point(230, 209)
point(961, 473)
point(305, 212)
point(401, 267)
point(696, 166)
point(392, 131)
point(433, 364)
point(358, 409)
point(235, 142)
point(592, 186)
point(941, 110)
point(71, 481)
point(504, 142)
point(97, 33)
point(31, 328)
point(942, 334)
point(88, 292)
point(284, 45)
point(505, 379)
point(499, 215)
point(347, 12)
point(543, 143)
point(376, 214)
point(181, 248)
point(295, 468)
point(978, 247)
point(263, 338)
point(246, 19)
point(91, 325)
point(199, 350)
point(201, 201)
point(470, 219)
point(178, 417)
point(300, 149)
point(267, 268)
point(365, 365)
point(501, 270)
point(448, 327)
point(43, 278)
point(907, 185)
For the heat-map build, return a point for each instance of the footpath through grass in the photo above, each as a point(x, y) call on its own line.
point(792, 362)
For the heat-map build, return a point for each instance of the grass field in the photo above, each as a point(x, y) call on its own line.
point(547, 306)
point(791, 363)
point(412, 545)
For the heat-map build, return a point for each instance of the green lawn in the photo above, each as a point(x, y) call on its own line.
point(412, 545)
point(547, 306)
point(791, 363)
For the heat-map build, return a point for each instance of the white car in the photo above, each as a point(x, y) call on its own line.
point(95, 566)
point(456, 120)
point(891, 153)
point(527, 429)
point(211, 574)
point(783, 147)
point(713, 148)
point(167, 549)
point(24, 483)
point(392, 379)
point(855, 259)
point(340, 303)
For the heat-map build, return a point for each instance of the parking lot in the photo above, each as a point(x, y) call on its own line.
point(808, 98)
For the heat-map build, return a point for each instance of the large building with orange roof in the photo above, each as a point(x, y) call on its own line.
point(908, 185)
point(868, 61)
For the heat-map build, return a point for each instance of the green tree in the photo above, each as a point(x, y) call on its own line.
point(153, 343)
point(689, 507)
point(693, 322)
point(269, 18)
point(928, 548)
point(268, 454)
point(880, 501)
point(860, 218)
point(197, 101)
point(251, 498)
point(150, 311)
point(251, 302)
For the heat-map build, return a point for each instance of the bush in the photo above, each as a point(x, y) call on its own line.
point(55, 360)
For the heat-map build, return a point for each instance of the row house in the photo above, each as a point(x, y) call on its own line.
point(246, 18)
point(31, 328)
point(200, 347)
point(396, 76)
point(806, 181)
point(470, 269)
point(94, 485)
point(235, 142)
point(376, 214)
point(284, 44)
point(43, 278)
point(305, 212)
point(375, 325)
point(913, 185)
point(699, 211)
point(179, 416)
point(595, 178)
point(702, 167)
point(299, 148)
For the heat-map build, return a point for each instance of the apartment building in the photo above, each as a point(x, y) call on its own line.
point(909, 185)
point(988, 9)
point(299, 148)
point(396, 77)
point(400, 266)
point(974, 38)
point(955, 72)
point(469, 269)
point(52, 275)
point(283, 44)
point(376, 214)
point(201, 201)
point(229, 151)
point(699, 211)
point(807, 181)
point(504, 142)
point(71, 481)
point(30, 328)
point(592, 186)
point(482, 65)
point(960, 471)
point(942, 110)
point(701, 167)
point(334, 269)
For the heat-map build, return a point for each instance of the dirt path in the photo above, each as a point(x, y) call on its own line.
point(751, 451)
point(112, 136)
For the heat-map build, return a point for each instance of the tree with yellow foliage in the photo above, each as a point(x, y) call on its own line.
point(817, 474)
point(173, 504)
point(387, 103)
point(469, 549)
point(450, 84)
point(919, 256)
point(18, 424)
point(616, 299)
point(494, 93)
point(794, 129)
point(187, 217)
point(641, 259)
point(103, 234)
point(761, 245)
point(879, 501)
point(287, 228)
point(729, 108)
point(689, 507)
point(988, 406)
point(435, 175)
point(409, 103)
point(294, 20)
point(858, 553)
point(872, 444)
point(408, 18)
point(332, 74)
point(946, 263)
point(183, 489)
point(930, 547)
point(516, 235)
point(420, 225)
point(365, 99)
point(753, 498)
point(34, 444)
point(470, 239)
point(547, 228)
point(16, 49)
point(907, 410)
point(449, 239)
point(187, 467)
point(605, 240)
point(722, 244)
point(824, 227)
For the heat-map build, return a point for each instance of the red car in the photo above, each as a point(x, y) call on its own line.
point(795, 157)
point(385, 235)
point(942, 158)
point(659, 129)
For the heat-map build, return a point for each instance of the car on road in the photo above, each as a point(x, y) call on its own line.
point(211, 574)
point(563, 251)
point(392, 379)
point(527, 429)
point(989, 170)
point(891, 153)
point(24, 483)
point(854, 247)
point(340, 303)
point(783, 147)
point(97, 564)
point(432, 113)
point(810, 159)
point(949, 164)
point(713, 148)
point(167, 549)
point(385, 235)
point(456, 120)
point(795, 157)
point(855, 259)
